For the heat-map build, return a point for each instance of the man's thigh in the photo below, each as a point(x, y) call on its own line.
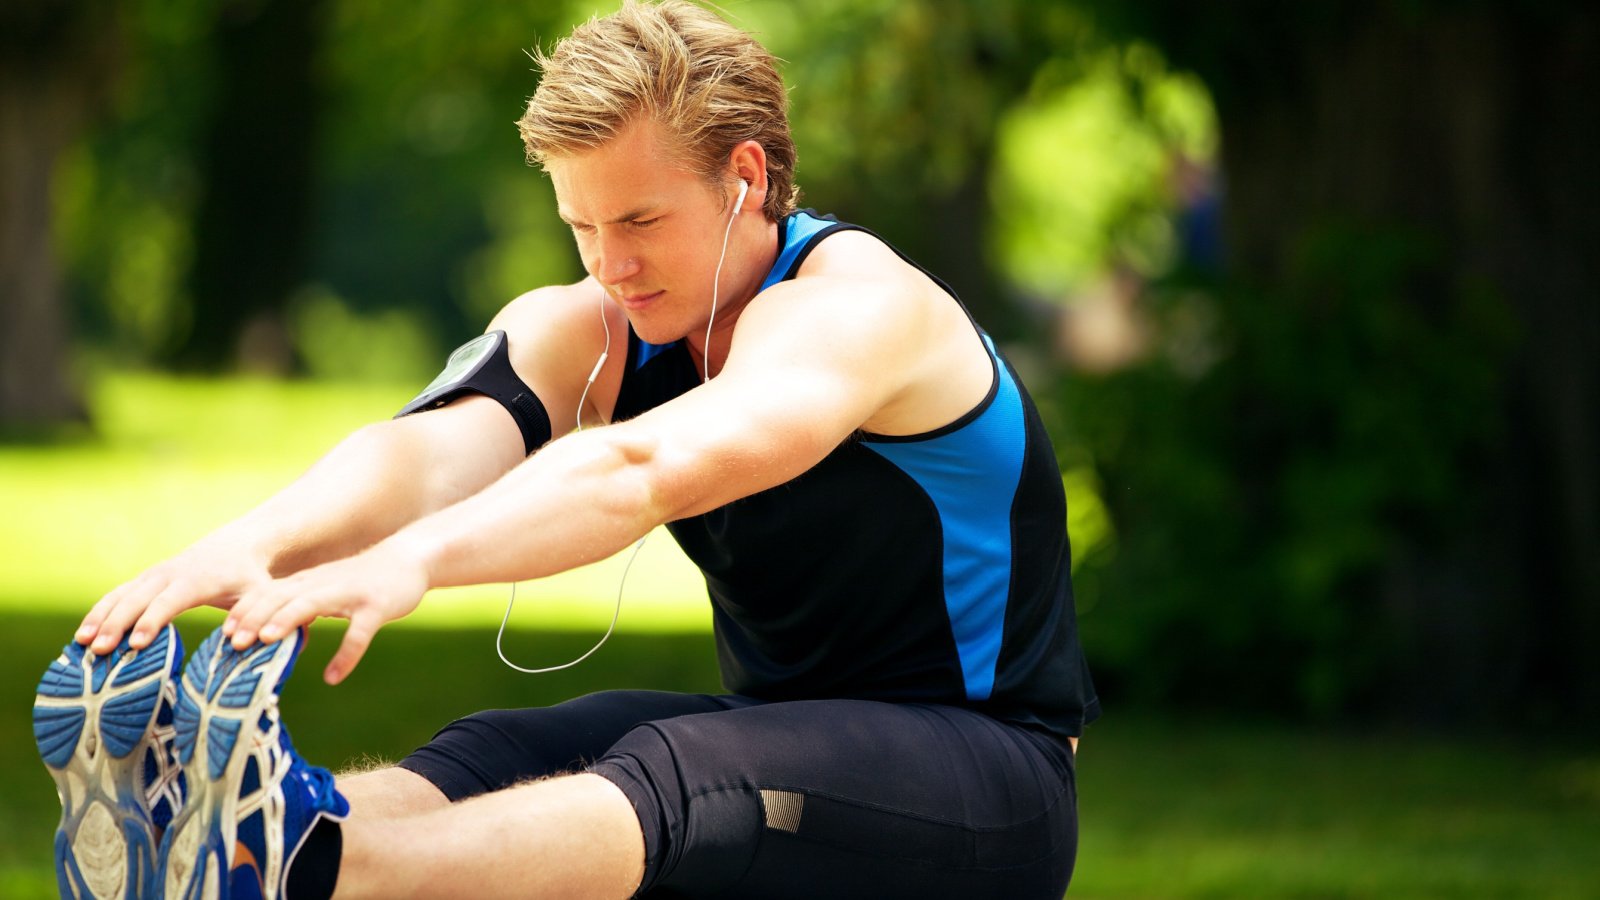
point(842, 798)
point(497, 748)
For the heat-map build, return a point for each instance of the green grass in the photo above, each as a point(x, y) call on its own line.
point(1198, 808)
point(1171, 807)
point(173, 458)
point(411, 682)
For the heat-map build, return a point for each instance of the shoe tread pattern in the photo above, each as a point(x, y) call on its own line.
point(91, 716)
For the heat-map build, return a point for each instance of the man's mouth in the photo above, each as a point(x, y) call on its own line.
point(638, 301)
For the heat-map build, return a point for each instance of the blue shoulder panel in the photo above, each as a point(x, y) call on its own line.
point(797, 230)
point(971, 474)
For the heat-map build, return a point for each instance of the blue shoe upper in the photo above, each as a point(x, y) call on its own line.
point(260, 798)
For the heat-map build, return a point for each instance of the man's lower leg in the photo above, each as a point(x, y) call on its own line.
point(572, 836)
point(390, 793)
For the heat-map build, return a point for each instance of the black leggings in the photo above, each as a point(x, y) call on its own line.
point(815, 798)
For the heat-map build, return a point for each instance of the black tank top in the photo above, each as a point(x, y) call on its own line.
point(924, 568)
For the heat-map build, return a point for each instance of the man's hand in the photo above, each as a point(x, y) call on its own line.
point(213, 572)
point(370, 589)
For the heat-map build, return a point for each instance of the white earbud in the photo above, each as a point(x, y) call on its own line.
point(744, 188)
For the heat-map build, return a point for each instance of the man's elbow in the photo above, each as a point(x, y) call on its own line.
point(625, 473)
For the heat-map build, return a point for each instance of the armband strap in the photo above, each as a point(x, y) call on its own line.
point(483, 366)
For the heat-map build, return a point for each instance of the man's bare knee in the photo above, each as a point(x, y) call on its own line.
point(389, 792)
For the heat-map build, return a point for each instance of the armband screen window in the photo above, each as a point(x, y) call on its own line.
point(483, 366)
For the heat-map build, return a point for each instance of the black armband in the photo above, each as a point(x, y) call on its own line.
point(483, 366)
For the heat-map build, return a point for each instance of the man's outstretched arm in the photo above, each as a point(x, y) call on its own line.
point(794, 387)
point(377, 480)
point(380, 478)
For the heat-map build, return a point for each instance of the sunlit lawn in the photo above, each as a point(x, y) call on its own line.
point(172, 459)
point(1172, 806)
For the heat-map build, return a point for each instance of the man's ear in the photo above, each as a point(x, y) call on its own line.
point(749, 163)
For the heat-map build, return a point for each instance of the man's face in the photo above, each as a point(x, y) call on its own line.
point(648, 230)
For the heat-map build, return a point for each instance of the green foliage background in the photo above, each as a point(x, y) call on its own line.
point(1313, 490)
point(1247, 490)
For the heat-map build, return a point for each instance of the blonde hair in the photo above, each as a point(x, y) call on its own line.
point(710, 85)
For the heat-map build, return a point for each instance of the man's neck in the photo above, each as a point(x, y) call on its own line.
point(742, 276)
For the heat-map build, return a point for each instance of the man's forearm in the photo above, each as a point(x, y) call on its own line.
point(366, 488)
point(579, 500)
point(370, 485)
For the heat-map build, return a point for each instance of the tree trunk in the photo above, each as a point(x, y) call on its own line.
point(55, 60)
point(1472, 125)
point(955, 250)
point(252, 228)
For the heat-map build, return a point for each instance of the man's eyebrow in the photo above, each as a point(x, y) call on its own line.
point(637, 213)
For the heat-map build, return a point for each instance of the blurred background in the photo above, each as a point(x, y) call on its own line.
point(1307, 293)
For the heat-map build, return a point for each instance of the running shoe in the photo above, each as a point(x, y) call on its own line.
point(252, 800)
point(104, 727)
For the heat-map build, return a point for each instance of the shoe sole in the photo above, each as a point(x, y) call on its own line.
point(226, 719)
point(93, 719)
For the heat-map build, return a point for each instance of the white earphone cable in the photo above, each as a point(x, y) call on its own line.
point(594, 373)
point(615, 613)
point(605, 353)
point(716, 280)
point(499, 639)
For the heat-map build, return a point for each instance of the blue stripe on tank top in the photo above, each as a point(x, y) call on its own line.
point(799, 229)
point(975, 518)
point(647, 350)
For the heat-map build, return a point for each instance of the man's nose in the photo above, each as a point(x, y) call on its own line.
point(616, 262)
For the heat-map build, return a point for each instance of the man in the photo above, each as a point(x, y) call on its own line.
point(828, 435)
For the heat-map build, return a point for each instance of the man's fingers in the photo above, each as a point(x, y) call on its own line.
point(165, 607)
point(96, 614)
point(99, 624)
point(143, 605)
point(252, 611)
point(291, 615)
point(357, 638)
point(358, 589)
point(270, 612)
point(126, 609)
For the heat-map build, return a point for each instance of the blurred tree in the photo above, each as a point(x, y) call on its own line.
point(896, 109)
point(56, 62)
point(1332, 473)
point(428, 204)
point(1410, 194)
point(252, 231)
point(294, 163)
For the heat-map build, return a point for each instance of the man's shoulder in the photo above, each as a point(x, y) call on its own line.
point(554, 336)
point(540, 308)
point(851, 252)
point(858, 296)
point(852, 274)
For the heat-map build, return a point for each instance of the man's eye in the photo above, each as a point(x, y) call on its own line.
point(645, 223)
